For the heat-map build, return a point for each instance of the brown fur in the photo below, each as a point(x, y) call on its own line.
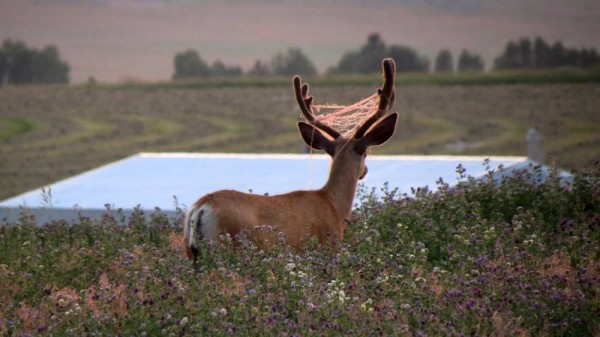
point(284, 212)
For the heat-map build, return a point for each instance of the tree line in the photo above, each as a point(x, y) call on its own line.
point(189, 64)
point(467, 62)
point(523, 54)
point(537, 54)
point(20, 64)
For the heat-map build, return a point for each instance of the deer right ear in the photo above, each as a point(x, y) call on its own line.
point(314, 138)
point(379, 134)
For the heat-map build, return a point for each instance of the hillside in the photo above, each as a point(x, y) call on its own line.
point(50, 133)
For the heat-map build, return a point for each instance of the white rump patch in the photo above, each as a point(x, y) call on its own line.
point(210, 225)
point(190, 221)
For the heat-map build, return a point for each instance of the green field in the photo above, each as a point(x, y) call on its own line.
point(50, 133)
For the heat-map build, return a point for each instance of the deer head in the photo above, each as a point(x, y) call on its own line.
point(321, 136)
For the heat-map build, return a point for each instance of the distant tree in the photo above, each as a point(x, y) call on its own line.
point(188, 64)
point(589, 57)
point(541, 53)
point(557, 55)
point(368, 58)
point(407, 59)
point(527, 55)
point(372, 53)
point(349, 63)
point(3, 67)
point(219, 69)
point(22, 65)
point(510, 58)
point(468, 62)
point(259, 69)
point(516, 55)
point(443, 62)
point(48, 68)
point(572, 58)
point(19, 62)
point(292, 62)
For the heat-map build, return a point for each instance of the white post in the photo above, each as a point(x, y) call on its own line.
point(535, 146)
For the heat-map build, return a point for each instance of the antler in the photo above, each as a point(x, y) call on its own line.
point(305, 102)
point(387, 94)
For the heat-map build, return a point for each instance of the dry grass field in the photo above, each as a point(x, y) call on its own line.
point(50, 133)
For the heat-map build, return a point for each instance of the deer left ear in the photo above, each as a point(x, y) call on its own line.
point(314, 138)
point(379, 134)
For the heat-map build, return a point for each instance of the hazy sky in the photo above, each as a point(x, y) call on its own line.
point(114, 40)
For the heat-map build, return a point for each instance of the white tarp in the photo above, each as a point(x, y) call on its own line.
point(154, 180)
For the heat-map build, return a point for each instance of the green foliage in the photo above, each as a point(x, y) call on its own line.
point(538, 55)
point(517, 55)
point(261, 79)
point(189, 64)
point(219, 69)
point(368, 58)
point(480, 258)
point(20, 64)
point(13, 126)
point(468, 62)
point(292, 62)
point(443, 62)
point(259, 69)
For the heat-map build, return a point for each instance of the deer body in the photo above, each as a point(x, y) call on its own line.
point(251, 211)
point(298, 215)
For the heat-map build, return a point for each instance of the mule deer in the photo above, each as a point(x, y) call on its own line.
point(299, 214)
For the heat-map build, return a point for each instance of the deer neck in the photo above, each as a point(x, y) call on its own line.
point(341, 186)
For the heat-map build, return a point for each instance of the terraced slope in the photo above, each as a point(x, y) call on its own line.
point(50, 133)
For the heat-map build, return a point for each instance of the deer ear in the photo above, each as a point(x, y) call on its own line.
point(379, 134)
point(314, 138)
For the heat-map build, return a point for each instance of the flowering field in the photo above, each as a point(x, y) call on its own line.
point(480, 259)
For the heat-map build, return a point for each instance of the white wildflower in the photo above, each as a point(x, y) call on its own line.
point(366, 305)
point(290, 266)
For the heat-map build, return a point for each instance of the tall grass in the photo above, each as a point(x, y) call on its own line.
point(542, 76)
point(510, 259)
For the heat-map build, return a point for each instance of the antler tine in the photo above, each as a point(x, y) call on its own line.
point(387, 95)
point(305, 102)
